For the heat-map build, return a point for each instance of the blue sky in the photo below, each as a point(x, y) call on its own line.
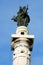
point(9, 8)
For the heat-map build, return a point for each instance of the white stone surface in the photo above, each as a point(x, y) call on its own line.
point(22, 29)
point(21, 60)
point(25, 36)
point(22, 44)
point(21, 53)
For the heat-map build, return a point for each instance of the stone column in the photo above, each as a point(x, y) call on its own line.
point(22, 45)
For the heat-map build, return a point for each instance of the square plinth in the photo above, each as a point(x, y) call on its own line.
point(22, 36)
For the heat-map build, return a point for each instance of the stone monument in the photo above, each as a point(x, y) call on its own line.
point(22, 42)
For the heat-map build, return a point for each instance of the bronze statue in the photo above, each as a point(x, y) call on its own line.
point(22, 17)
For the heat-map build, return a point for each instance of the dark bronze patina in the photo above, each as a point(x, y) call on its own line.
point(22, 17)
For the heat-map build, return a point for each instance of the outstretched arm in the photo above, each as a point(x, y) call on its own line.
point(14, 18)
